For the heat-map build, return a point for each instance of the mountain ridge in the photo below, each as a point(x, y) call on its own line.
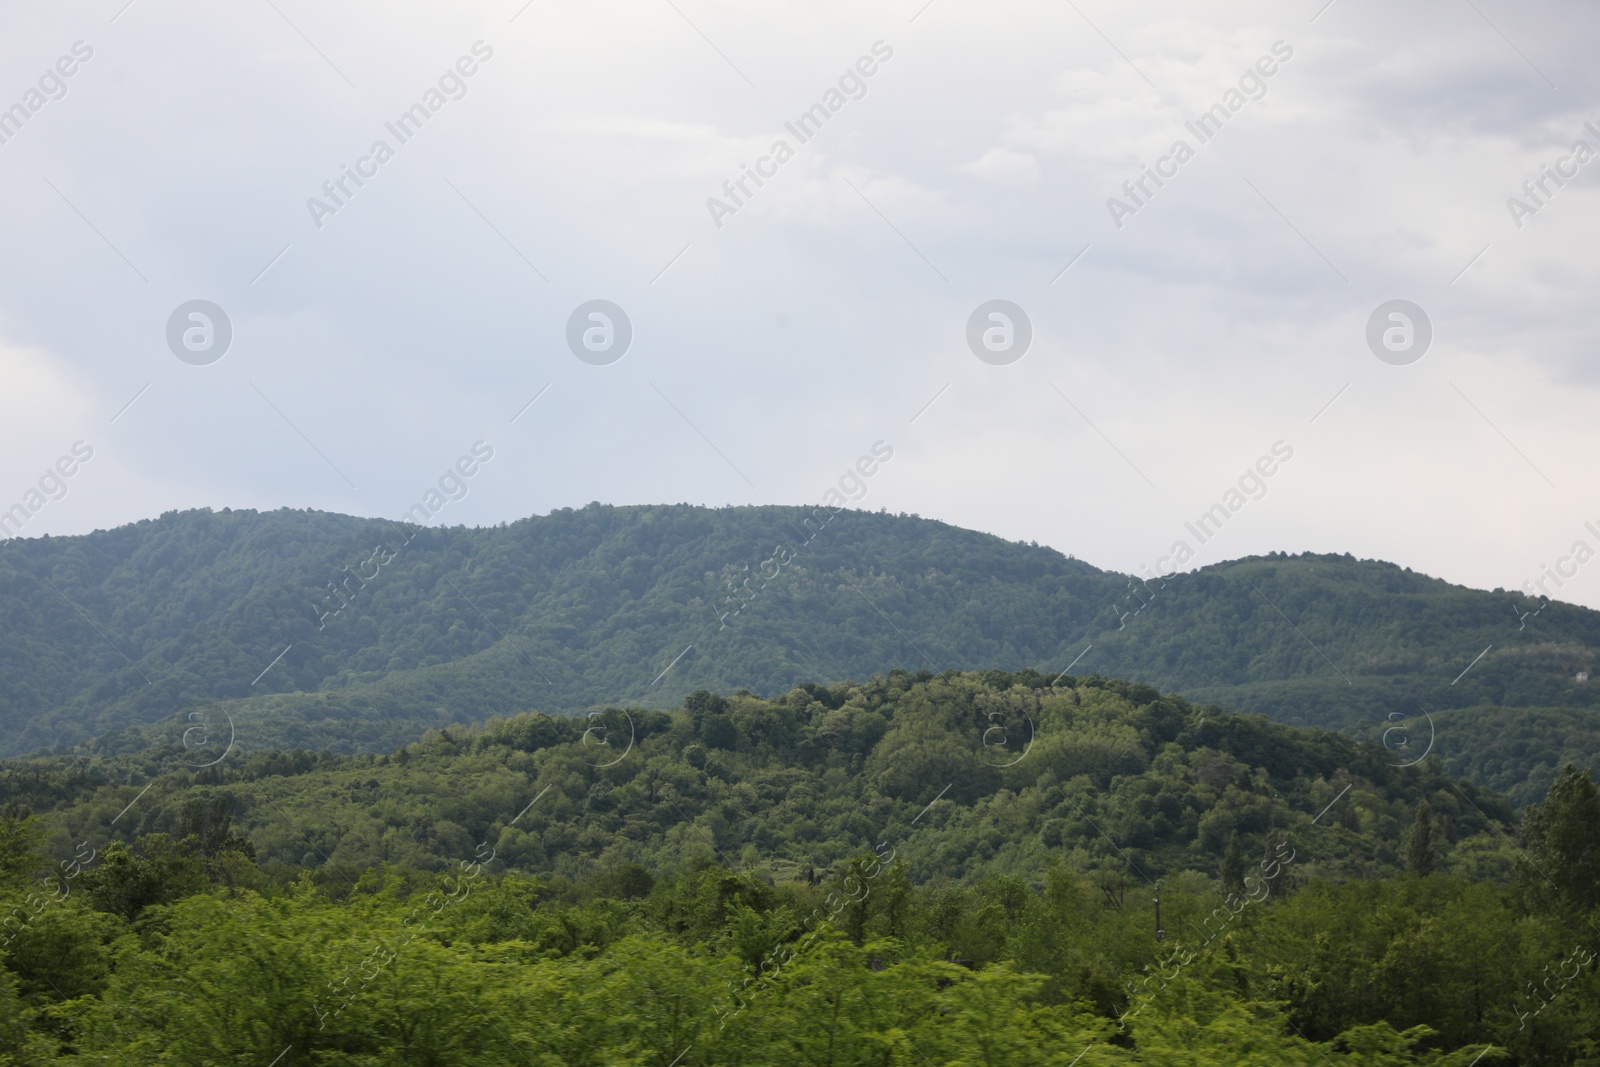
point(228, 617)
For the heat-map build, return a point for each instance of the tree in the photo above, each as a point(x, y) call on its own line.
point(154, 871)
point(1562, 839)
point(20, 1046)
point(20, 858)
point(211, 827)
point(1419, 849)
point(1233, 864)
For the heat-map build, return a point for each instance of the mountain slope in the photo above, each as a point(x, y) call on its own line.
point(1011, 772)
point(215, 625)
point(558, 613)
point(898, 858)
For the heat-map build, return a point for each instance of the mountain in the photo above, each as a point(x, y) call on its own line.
point(331, 632)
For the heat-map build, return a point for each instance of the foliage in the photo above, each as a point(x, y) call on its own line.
point(513, 972)
point(1561, 865)
point(755, 882)
point(1019, 771)
point(585, 608)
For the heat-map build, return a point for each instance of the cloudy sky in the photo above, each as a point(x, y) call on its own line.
point(379, 332)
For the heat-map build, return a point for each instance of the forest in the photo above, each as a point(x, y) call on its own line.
point(332, 633)
point(985, 867)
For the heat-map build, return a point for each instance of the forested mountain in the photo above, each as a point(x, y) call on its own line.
point(918, 869)
point(329, 632)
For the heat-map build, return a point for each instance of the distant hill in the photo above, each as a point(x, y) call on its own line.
point(331, 632)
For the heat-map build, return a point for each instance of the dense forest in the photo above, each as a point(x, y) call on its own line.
point(995, 868)
point(334, 633)
point(1024, 767)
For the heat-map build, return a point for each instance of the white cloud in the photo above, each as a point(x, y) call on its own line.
point(1004, 167)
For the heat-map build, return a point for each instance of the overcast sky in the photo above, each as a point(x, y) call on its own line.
point(776, 338)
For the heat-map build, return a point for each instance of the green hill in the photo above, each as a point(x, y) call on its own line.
point(1001, 868)
point(204, 625)
point(1106, 774)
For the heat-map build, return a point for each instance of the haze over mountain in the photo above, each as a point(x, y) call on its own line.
point(327, 631)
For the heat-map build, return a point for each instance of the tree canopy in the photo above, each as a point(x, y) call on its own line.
point(334, 633)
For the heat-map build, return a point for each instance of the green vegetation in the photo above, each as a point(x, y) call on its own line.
point(917, 869)
point(802, 782)
point(1515, 751)
point(587, 608)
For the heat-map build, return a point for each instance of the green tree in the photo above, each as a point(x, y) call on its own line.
point(1420, 859)
point(1233, 864)
point(20, 1045)
point(154, 870)
point(1561, 837)
point(20, 858)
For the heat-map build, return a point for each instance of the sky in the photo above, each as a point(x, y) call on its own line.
point(1156, 345)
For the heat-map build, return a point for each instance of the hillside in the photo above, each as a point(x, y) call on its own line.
point(982, 868)
point(330, 632)
point(557, 613)
point(1010, 772)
